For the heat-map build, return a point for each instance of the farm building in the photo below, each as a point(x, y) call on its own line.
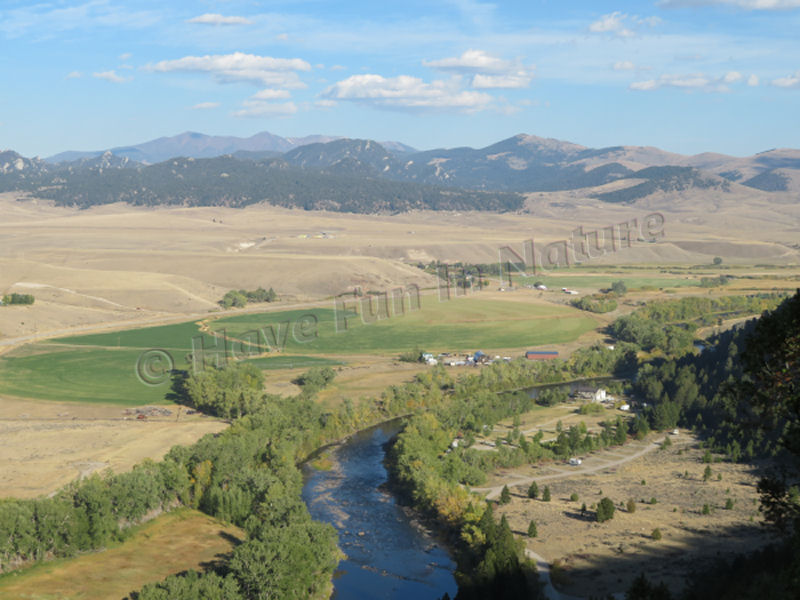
point(541, 354)
point(591, 394)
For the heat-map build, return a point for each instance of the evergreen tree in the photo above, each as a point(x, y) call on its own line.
point(532, 531)
point(533, 490)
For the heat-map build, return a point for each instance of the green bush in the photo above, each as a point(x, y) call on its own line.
point(605, 510)
point(631, 506)
point(573, 497)
point(656, 535)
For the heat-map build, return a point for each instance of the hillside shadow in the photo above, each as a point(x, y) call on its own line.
point(683, 555)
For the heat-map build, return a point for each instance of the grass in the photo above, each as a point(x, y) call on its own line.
point(591, 282)
point(168, 337)
point(460, 324)
point(102, 368)
point(78, 374)
point(180, 540)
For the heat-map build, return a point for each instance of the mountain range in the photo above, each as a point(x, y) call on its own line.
point(265, 166)
point(199, 145)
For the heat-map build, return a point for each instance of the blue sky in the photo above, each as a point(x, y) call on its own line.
point(685, 75)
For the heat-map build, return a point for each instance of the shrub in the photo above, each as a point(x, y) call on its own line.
point(546, 494)
point(729, 504)
point(706, 509)
point(574, 497)
point(653, 500)
point(605, 510)
point(656, 535)
point(591, 408)
point(631, 506)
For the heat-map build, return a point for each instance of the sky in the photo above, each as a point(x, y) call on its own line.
point(687, 76)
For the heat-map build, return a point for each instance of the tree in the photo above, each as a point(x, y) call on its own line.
point(505, 495)
point(707, 473)
point(546, 494)
point(533, 490)
point(605, 510)
point(532, 531)
point(619, 288)
point(717, 260)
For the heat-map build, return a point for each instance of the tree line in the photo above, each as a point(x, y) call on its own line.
point(15, 298)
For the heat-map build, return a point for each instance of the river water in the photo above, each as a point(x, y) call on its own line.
point(387, 556)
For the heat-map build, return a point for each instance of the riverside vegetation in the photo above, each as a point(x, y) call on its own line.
point(248, 474)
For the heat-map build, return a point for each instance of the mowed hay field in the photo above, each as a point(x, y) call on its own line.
point(47, 444)
point(178, 541)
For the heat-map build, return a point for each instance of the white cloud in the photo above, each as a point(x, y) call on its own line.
point(752, 81)
point(613, 23)
point(473, 61)
point(621, 24)
point(690, 82)
point(74, 75)
point(338, 68)
point(259, 108)
point(406, 92)
point(237, 67)
point(745, 4)
point(205, 105)
point(790, 82)
point(489, 71)
point(624, 65)
point(125, 56)
point(270, 94)
point(521, 79)
point(325, 103)
point(216, 19)
point(109, 76)
point(282, 37)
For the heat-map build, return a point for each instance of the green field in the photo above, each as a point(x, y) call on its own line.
point(463, 324)
point(102, 368)
point(592, 282)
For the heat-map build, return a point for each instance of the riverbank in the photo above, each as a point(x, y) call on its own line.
point(389, 552)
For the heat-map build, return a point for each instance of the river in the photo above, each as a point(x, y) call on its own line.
point(387, 555)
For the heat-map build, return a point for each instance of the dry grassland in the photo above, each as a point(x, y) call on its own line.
point(181, 540)
point(594, 559)
point(48, 444)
